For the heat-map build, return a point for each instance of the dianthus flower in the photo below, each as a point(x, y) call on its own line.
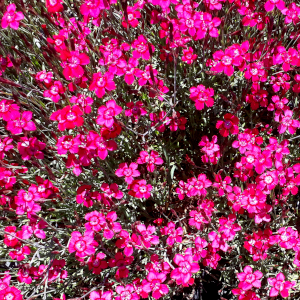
point(83, 245)
point(201, 95)
point(107, 113)
point(128, 172)
point(249, 279)
point(187, 266)
point(101, 83)
point(55, 90)
point(279, 285)
point(229, 125)
point(151, 159)
point(154, 285)
point(11, 17)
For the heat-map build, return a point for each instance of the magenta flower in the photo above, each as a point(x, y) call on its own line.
point(83, 245)
point(209, 147)
point(8, 110)
point(126, 292)
point(96, 221)
point(287, 122)
point(101, 145)
point(92, 8)
point(54, 92)
point(29, 147)
point(72, 63)
point(200, 185)
point(5, 146)
point(151, 159)
point(22, 123)
point(186, 267)
point(25, 200)
point(20, 253)
point(279, 285)
point(107, 113)
point(129, 69)
point(132, 17)
point(128, 172)
point(146, 75)
point(229, 125)
point(67, 143)
point(140, 189)
point(101, 83)
point(270, 5)
point(135, 110)
point(146, 235)
point(54, 6)
point(249, 279)
point(154, 285)
point(201, 95)
point(68, 117)
point(174, 235)
point(97, 263)
point(11, 293)
point(141, 47)
point(100, 295)
point(11, 18)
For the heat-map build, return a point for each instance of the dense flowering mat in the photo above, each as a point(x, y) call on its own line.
point(144, 144)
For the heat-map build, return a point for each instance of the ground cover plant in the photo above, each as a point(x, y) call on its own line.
point(147, 146)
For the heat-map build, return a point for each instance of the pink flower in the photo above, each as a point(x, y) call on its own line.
point(82, 245)
point(270, 5)
point(200, 185)
point(142, 48)
point(54, 6)
point(68, 117)
point(187, 266)
point(174, 235)
point(8, 110)
point(10, 239)
point(44, 76)
point(31, 147)
point(146, 76)
point(279, 285)
point(151, 159)
point(229, 125)
point(11, 293)
point(25, 200)
point(209, 147)
point(100, 295)
point(101, 83)
point(126, 293)
point(72, 63)
point(140, 189)
point(97, 263)
point(100, 145)
point(287, 122)
point(214, 4)
point(155, 285)
point(132, 17)
point(22, 123)
point(96, 221)
point(201, 95)
point(11, 18)
point(107, 113)
point(92, 8)
point(146, 235)
point(20, 253)
point(128, 172)
point(55, 90)
point(5, 146)
point(129, 69)
point(135, 110)
point(249, 279)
